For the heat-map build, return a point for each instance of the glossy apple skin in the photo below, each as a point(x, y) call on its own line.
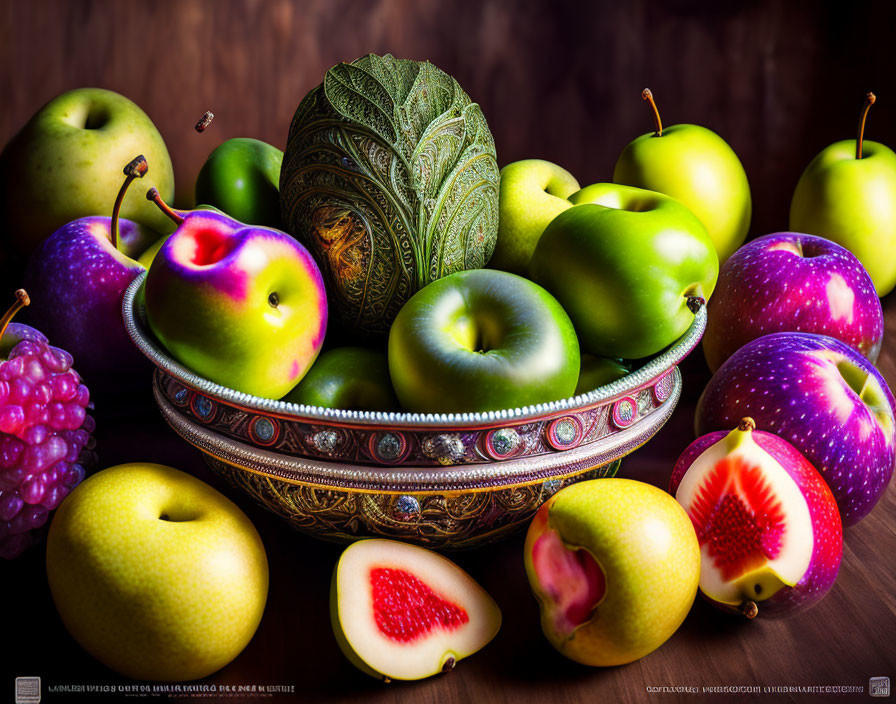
point(792, 282)
point(852, 202)
point(76, 280)
point(354, 378)
point(529, 354)
point(533, 192)
point(697, 167)
point(66, 163)
point(597, 371)
point(241, 177)
point(789, 383)
point(827, 529)
point(216, 318)
point(622, 263)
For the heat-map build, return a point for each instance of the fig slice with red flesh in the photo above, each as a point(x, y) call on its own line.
point(768, 526)
point(404, 612)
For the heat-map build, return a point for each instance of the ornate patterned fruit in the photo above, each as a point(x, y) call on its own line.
point(768, 525)
point(390, 178)
point(404, 612)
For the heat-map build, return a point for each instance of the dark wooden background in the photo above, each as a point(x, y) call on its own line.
point(559, 80)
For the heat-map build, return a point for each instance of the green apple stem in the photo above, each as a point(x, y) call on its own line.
point(647, 95)
point(22, 300)
point(204, 121)
point(869, 101)
point(153, 195)
point(135, 169)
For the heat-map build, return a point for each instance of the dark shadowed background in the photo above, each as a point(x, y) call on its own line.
point(557, 80)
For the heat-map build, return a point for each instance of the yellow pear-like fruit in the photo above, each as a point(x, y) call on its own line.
point(155, 573)
point(614, 564)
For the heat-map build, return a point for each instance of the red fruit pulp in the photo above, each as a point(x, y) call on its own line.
point(405, 608)
point(571, 578)
point(736, 512)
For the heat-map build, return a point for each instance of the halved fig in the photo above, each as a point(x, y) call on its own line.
point(768, 525)
point(403, 612)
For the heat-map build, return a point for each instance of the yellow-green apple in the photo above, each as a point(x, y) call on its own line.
point(355, 378)
point(627, 265)
point(482, 340)
point(614, 564)
point(822, 397)
point(848, 194)
point(403, 612)
point(155, 574)
point(792, 282)
point(769, 532)
point(66, 161)
point(77, 277)
point(243, 306)
point(698, 168)
point(533, 192)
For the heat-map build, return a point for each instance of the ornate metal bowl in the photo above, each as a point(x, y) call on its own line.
point(440, 480)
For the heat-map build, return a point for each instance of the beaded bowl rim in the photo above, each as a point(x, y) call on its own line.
point(135, 323)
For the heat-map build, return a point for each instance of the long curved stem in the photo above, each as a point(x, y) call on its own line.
point(869, 101)
point(647, 95)
point(153, 195)
point(135, 169)
point(22, 300)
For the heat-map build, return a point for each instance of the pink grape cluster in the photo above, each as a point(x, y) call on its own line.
point(45, 437)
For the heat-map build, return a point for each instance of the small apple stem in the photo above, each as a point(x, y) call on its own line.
point(746, 424)
point(22, 300)
point(647, 95)
point(749, 609)
point(869, 101)
point(695, 303)
point(204, 121)
point(135, 169)
point(449, 665)
point(153, 195)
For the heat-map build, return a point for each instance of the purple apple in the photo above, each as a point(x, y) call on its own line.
point(792, 282)
point(77, 279)
point(824, 398)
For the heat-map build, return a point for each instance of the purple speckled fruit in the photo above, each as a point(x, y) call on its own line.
point(76, 280)
point(824, 398)
point(769, 531)
point(791, 282)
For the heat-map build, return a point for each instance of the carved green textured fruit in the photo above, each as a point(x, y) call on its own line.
point(390, 179)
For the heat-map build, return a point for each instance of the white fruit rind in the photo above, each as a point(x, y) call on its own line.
point(797, 541)
point(427, 654)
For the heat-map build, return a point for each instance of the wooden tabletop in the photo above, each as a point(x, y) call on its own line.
point(844, 640)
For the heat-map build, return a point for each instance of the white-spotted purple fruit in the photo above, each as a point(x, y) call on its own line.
point(44, 430)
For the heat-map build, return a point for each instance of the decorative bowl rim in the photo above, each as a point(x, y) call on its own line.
point(657, 366)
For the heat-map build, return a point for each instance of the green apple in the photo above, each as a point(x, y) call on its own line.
point(533, 192)
point(242, 178)
point(847, 194)
point(354, 378)
point(597, 371)
point(66, 162)
point(482, 340)
point(156, 574)
point(615, 565)
point(697, 167)
point(625, 263)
